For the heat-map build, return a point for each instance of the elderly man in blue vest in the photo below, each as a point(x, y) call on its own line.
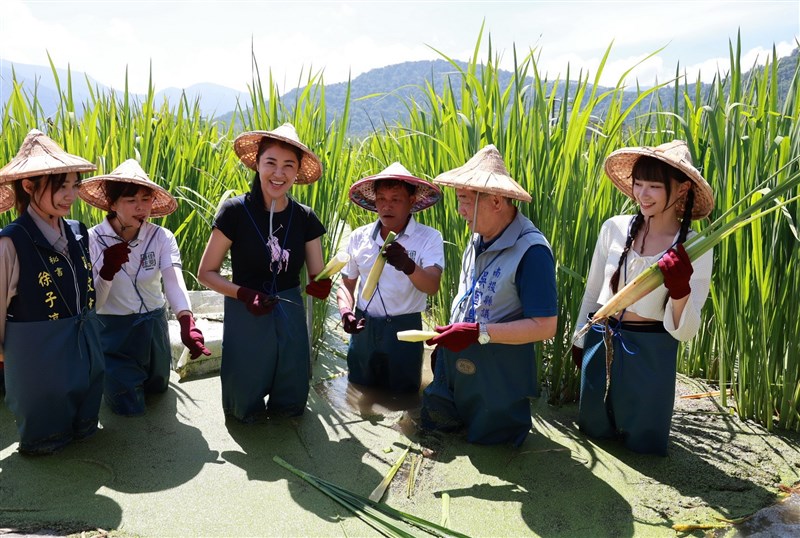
point(485, 367)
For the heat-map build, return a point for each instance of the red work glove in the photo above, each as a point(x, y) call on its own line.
point(113, 258)
point(257, 303)
point(456, 337)
point(319, 289)
point(677, 268)
point(577, 356)
point(192, 338)
point(397, 257)
point(350, 324)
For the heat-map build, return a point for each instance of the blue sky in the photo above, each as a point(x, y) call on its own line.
point(210, 41)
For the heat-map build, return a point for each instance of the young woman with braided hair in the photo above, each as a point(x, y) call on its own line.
point(634, 401)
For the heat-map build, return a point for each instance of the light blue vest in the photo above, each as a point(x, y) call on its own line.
point(487, 290)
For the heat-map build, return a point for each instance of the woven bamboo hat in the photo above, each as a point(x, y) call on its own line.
point(619, 166)
point(246, 147)
point(6, 198)
point(484, 172)
point(363, 191)
point(93, 190)
point(39, 155)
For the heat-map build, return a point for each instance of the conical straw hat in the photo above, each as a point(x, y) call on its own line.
point(246, 147)
point(363, 191)
point(6, 198)
point(484, 172)
point(39, 155)
point(619, 166)
point(93, 189)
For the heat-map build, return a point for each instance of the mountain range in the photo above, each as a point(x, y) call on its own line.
point(377, 96)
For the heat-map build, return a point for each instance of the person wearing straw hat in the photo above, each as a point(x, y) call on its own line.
point(375, 357)
point(48, 326)
point(131, 257)
point(634, 401)
point(485, 368)
point(6, 203)
point(270, 236)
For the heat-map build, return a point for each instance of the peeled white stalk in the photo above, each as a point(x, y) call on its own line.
point(336, 264)
point(415, 335)
point(377, 268)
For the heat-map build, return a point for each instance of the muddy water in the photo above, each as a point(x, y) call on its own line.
point(369, 403)
point(779, 520)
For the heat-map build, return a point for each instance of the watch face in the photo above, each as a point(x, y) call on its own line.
point(483, 338)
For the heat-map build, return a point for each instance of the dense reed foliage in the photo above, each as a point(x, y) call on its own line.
point(554, 139)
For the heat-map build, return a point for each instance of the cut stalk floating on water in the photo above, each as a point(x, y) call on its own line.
point(381, 517)
point(336, 264)
point(381, 488)
point(377, 268)
point(768, 201)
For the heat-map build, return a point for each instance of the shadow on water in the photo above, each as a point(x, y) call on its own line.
point(528, 476)
point(556, 493)
point(153, 452)
point(59, 491)
point(316, 443)
point(713, 462)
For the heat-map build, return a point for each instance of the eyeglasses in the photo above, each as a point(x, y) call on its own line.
point(133, 243)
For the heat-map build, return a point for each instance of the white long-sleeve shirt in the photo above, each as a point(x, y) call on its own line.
point(607, 252)
point(136, 288)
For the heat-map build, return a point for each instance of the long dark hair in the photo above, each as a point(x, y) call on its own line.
point(40, 183)
point(652, 169)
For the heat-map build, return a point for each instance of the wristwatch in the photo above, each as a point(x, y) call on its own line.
point(483, 336)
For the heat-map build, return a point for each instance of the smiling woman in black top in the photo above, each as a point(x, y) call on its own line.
point(269, 236)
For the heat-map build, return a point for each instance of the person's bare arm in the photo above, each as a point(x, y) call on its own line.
point(208, 273)
point(523, 331)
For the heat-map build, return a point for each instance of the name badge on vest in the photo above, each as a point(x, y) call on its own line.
point(465, 366)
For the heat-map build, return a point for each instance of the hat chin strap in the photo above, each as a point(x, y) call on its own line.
point(471, 240)
point(475, 213)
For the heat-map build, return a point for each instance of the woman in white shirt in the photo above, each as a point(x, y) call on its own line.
point(131, 257)
point(635, 400)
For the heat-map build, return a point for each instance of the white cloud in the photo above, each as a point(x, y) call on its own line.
point(212, 43)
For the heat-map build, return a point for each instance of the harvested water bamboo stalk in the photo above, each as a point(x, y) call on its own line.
point(336, 264)
point(414, 335)
point(371, 283)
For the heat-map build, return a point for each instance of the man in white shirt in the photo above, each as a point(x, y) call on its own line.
point(415, 260)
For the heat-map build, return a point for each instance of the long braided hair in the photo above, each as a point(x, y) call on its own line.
point(652, 169)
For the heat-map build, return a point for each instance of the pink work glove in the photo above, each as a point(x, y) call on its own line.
point(350, 324)
point(113, 259)
point(319, 289)
point(677, 268)
point(257, 303)
point(456, 337)
point(192, 338)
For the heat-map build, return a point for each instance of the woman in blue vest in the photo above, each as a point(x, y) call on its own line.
point(48, 327)
point(485, 370)
point(634, 400)
point(270, 236)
